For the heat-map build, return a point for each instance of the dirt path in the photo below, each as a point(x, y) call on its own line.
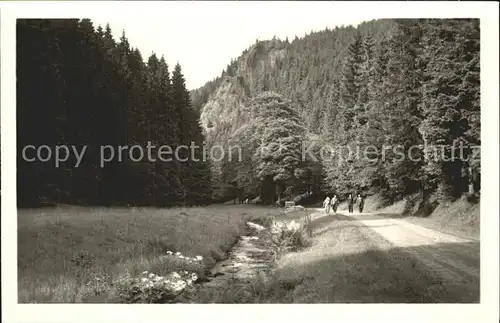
point(456, 258)
point(453, 260)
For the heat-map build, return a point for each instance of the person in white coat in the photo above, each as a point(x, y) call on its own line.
point(326, 204)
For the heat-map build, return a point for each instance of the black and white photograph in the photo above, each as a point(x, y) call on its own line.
point(252, 154)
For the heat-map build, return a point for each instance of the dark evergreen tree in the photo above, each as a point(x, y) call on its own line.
point(88, 91)
point(451, 103)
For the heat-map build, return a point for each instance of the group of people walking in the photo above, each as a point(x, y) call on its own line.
point(332, 203)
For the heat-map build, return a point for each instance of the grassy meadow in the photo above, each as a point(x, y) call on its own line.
point(78, 254)
point(75, 254)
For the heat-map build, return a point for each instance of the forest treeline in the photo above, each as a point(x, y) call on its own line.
point(77, 86)
point(411, 84)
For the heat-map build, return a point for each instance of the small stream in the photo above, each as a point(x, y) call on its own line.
point(249, 256)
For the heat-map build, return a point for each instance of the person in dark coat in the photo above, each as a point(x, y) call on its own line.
point(350, 202)
point(334, 202)
point(361, 202)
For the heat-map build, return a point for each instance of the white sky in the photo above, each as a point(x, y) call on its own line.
point(204, 36)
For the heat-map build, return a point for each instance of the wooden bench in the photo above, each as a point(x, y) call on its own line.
point(289, 204)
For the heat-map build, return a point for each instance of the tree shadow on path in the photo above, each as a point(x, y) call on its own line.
point(380, 276)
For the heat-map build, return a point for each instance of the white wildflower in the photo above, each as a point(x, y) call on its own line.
point(194, 277)
point(177, 253)
point(175, 286)
point(144, 279)
point(151, 275)
point(144, 272)
point(179, 285)
point(199, 258)
point(169, 252)
point(293, 226)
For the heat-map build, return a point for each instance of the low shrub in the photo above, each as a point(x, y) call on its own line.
point(151, 288)
point(148, 287)
point(288, 236)
point(410, 204)
point(472, 198)
point(426, 209)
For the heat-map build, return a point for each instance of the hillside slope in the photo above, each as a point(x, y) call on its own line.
point(381, 84)
point(302, 70)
